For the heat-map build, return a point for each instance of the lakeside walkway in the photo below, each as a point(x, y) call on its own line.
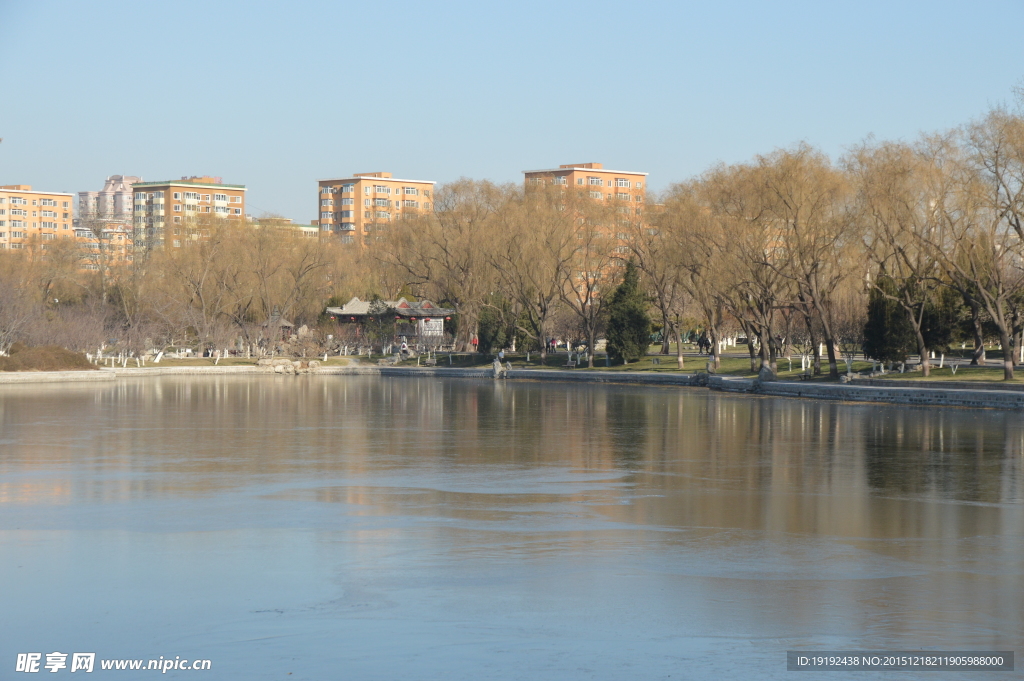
point(960, 394)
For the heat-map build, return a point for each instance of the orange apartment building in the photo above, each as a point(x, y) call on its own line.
point(26, 214)
point(166, 212)
point(353, 208)
point(622, 186)
point(623, 190)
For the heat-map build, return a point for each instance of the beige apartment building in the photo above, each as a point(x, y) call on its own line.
point(352, 208)
point(27, 214)
point(166, 213)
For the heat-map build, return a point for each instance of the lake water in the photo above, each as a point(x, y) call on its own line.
point(366, 528)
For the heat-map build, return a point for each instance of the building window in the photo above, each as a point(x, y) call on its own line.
point(596, 195)
point(622, 196)
point(620, 182)
point(348, 213)
point(426, 205)
point(382, 202)
point(326, 202)
point(381, 189)
point(383, 215)
point(412, 191)
point(220, 197)
point(194, 196)
point(347, 188)
point(347, 238)
point(177, 243)
point(347, 202)
point(639, 185)
point(595, 181)
point(411, 204)
point(177, 196)
point(367, 214)
point(325, 216)
point(234, 199)
point(177, 218)
point(236, 211)
point(367, 202)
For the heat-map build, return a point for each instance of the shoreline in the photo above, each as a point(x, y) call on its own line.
point(962, 395)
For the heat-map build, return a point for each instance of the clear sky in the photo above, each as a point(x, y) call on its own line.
point(276, 95)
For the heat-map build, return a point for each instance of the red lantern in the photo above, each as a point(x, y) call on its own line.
point(352, 318)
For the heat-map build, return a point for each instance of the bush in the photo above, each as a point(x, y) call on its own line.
point(43, 358)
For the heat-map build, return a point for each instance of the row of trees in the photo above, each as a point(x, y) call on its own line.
point(783, 250)
point(221, 289)
point(789, 249)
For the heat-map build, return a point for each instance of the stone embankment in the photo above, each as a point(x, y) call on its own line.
point(54, 376)
point(937, 394)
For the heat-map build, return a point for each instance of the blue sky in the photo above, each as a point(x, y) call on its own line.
point(275, 95)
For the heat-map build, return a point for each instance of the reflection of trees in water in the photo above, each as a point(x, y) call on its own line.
point(961, 454)
point(209, 434)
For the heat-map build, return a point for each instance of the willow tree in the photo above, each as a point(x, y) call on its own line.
point(533, 249)
point(445, 255)
point(687, 225)
point(897, 188)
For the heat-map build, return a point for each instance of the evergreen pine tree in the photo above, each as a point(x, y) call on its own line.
point(629, 326)
point(888, 335)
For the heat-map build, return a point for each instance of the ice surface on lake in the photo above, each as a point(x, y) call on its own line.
point(364, 528)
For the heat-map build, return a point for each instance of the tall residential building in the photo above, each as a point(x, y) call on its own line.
point(166, 213)
point(112, 203)
point(104, 226)
point(352, 208)
point(26, 214)
point(626, 186)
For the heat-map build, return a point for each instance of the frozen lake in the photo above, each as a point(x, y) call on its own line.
point(366, 528)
